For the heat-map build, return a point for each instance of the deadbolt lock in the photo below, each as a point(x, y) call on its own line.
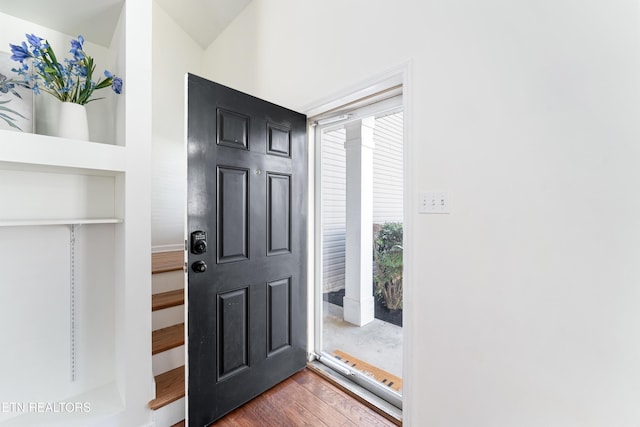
point(198, 242)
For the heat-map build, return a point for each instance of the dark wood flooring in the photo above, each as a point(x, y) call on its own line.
point(305, 399)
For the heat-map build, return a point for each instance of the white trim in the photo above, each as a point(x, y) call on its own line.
point(167, 248)
point(408, 233)
point(316, 244)
point(399, 75)
point(66, 221)
point(314, 274)
point(373, 85)
point(377, 109)
point(185, 236)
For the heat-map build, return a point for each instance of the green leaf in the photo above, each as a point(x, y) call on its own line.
point(16, 94)
point(12, 112)
point(94, 99)
point(51, 53)
point(104, 83)
point(9, 121)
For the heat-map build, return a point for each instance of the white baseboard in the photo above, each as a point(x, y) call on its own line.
point(167, 248)
point(170, 414)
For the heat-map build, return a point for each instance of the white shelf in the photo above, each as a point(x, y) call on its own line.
point(70, 221)
point(27, 150)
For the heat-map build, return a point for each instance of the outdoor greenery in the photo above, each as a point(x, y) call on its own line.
point(388, 259)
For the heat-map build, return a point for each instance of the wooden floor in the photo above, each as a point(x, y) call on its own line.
point(306, 399)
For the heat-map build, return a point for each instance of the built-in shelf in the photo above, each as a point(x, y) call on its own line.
point(70, 221)
point(51, 187)
point(42, 151)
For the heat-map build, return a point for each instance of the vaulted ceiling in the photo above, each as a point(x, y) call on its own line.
point(203, 20)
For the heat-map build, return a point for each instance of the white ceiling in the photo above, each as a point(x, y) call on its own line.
point(94, 19)
point(203, 20)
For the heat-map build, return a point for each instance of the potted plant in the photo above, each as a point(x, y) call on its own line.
point(71, 81)
point(388, 261)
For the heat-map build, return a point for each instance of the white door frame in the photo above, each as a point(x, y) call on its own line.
point(400, 75)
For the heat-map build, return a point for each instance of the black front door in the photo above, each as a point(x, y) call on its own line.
point(247, 178)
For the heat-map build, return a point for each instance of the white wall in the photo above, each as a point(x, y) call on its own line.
point(34, 294)
point(174, 54)
point(524, 304)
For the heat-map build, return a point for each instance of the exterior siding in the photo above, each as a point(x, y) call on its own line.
point(387, 170)
point(333, 192)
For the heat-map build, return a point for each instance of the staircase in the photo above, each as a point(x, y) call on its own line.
point(168, 348)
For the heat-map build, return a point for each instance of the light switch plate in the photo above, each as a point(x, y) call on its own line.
point(433, 202)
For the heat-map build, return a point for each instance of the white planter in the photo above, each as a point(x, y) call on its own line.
point(72, 121)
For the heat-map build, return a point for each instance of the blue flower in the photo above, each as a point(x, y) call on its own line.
point(20, 53)
point(77, 44)
point(5, 84)
point(22, 71)
point(69, 81)
point(77, 68)
point(34, 40)
point(117, 85)
point(77, 49)
point(116, 82)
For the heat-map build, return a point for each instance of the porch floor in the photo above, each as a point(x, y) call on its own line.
point(378, 343)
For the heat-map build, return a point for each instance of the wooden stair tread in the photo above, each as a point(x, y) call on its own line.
point(167, 338)
point(169, 388)
point(167, 300)
point(162, 262)
point(180, 424)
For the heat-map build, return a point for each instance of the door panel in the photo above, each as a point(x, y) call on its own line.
point(233, 214)
point(233, 129)
point(232, 333)
point(247, 172)
point(279, 140)
point(278, 214)
point(279, 315)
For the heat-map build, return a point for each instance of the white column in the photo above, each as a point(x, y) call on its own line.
point(358, 300)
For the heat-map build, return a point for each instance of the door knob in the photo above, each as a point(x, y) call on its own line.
point(199, 266)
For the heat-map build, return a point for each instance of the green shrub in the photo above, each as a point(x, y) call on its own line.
point(388, 259)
